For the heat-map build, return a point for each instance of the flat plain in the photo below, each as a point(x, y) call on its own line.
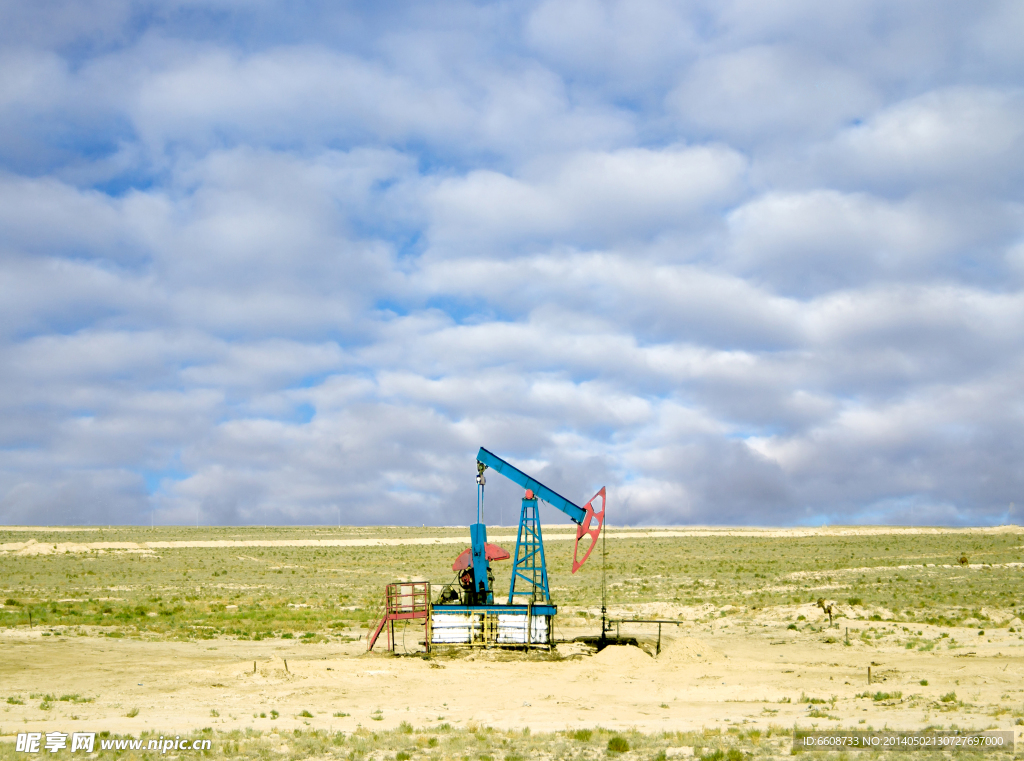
point(255, 637)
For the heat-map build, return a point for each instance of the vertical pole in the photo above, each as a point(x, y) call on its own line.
point(390, 621)
point(480, 481)
point(657, 650)
point(428, 622)
point(869, 675)
point(604, 586)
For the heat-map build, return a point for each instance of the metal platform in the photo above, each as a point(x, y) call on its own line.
point(403, 602)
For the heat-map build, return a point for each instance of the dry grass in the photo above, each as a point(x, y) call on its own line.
point(312, 593)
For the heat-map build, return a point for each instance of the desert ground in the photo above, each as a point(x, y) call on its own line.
point(261, 634)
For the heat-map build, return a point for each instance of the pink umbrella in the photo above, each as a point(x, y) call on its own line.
point(491, 552)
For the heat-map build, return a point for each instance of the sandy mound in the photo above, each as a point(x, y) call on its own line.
point(623, 656)
point(684, 651)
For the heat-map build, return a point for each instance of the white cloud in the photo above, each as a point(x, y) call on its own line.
point(585, 198)
point(966, 137)
point(760, 92)
point(738, 262)
point(822, 240)
point(622, 44)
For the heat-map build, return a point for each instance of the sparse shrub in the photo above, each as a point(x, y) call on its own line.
point(792, 626)
point(583, 735)
point(274, 714)
point(924, 682)
point(75, 698)
point(405, 728)
point(214, 712)
point(949, 697)
point(807, 699)
point(402, 756)
point(15, 701)
point(853, 601)
point(340, 715)
point(305, 714)
point(618, 744)
point(132, 713)
point(716, 755)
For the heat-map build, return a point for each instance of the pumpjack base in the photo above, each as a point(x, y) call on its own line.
point(502, 625)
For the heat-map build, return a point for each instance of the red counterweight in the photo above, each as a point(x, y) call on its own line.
point(585, 529)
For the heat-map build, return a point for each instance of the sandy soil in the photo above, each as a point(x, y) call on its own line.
point(737, 672)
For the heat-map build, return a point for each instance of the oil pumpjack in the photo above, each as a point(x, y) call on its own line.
point(466, 612)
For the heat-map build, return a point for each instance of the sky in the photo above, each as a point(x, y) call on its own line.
point(743, 263)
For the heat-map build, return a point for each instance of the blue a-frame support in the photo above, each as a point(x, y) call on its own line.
point(528, 565)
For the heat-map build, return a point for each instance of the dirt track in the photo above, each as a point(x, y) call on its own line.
point(552, 533)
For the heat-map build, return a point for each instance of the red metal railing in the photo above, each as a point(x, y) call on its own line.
point(403, 601)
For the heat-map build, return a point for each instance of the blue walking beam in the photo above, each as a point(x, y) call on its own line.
point(512, 473)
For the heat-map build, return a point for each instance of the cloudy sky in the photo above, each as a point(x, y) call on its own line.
point(293, 263)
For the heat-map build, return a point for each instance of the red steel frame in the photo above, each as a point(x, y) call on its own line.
point(403, 601)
